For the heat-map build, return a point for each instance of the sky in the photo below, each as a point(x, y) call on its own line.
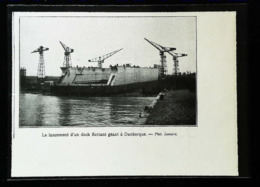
point(93, 36)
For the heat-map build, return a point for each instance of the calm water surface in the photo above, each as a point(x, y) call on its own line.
point(44, 110)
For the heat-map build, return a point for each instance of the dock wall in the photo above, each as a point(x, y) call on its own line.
point(134, 75)
point(122, 75)
point(87, 90)
point(83, 75)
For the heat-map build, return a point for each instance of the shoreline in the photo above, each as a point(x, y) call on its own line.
point(176, 108)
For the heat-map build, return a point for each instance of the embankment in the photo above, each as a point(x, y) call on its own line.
point(177, 108)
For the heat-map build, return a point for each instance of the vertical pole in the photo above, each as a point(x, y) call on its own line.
point(67, 60)
point(41, 67)
point(175, 65)
point(163, 64)
point(100, 62)
point(64, 62)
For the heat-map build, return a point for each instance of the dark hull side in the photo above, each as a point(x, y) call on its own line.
point(101, 90)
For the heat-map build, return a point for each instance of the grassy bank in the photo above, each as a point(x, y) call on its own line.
point(177, 108)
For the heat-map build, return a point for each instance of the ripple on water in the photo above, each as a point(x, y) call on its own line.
point(43, 110)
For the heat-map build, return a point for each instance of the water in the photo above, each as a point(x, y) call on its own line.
point(45, 111)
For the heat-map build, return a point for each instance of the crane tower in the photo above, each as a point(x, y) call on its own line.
point(67, 58)
point(101, 59)
point(176, 57)
point(162, 50)
point(41, 65)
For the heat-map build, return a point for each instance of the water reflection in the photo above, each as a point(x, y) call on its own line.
point(42, 110)
point(64, 112)
point(125, 110)
point(35, 110)
point(82, 111)
point(39, 110)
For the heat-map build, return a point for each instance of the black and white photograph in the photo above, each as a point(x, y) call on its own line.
point(107, 70)
point(104, 93)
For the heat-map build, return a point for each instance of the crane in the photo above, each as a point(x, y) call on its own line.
point(101, 59)
point(67, 57)
point(41, 65)
point(162, 50)
point(176, 57)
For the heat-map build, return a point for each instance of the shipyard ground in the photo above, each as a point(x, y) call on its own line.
point(177, 108)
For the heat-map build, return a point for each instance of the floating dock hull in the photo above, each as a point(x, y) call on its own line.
point(84, 81)
point(74, 90)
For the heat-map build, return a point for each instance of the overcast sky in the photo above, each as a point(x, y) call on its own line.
point(91, 37)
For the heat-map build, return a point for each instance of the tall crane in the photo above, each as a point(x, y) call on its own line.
point(67, 57)
point(176, 57)
point(101, 59)
point(41, 65)
point(162, 50)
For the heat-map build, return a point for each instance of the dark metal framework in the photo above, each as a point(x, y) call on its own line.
point(163, 69)
point(41, 64)
point(101, 59)
point(176, 57)
point(67, 58)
